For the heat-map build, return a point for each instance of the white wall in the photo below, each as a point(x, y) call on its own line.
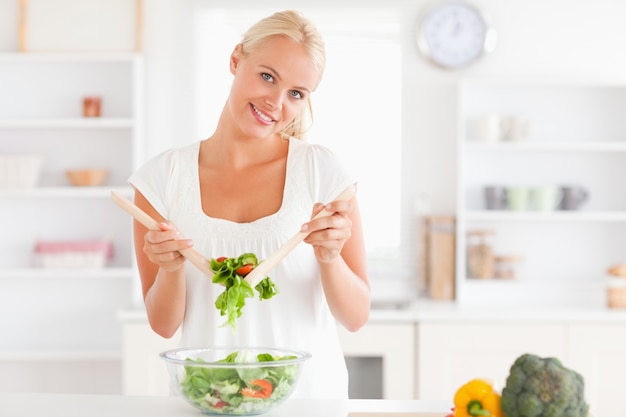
point(535, 38)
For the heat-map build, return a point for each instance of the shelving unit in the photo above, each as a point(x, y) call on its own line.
point(65, 192)
point(68, 123)
point(577, 137)
point(67, 317)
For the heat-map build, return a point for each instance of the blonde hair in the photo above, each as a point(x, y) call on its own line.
point(295, 26)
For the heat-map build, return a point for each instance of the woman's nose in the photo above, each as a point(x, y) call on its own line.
point(274, 100)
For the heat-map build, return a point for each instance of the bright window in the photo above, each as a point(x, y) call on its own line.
point(356, 108)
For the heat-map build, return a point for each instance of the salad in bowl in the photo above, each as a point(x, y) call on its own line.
point(234, 381)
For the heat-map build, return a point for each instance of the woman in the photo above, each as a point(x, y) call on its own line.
point(248, 188)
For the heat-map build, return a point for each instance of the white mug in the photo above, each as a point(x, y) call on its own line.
point(488, 128)
point(515, 128)
point(546, 198)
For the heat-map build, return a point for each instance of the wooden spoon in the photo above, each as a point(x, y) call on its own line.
point(202, 263)
point(257, 274)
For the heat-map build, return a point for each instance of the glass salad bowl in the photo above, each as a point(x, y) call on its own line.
point(241, 381)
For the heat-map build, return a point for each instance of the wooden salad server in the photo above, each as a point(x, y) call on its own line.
point(203, 264)
point(195, 257)
point(257, 274)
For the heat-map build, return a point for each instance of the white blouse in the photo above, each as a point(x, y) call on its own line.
point(298, 317)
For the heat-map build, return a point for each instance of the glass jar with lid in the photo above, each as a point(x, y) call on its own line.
point(480, 256)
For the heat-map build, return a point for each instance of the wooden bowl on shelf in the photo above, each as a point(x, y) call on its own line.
point(87, 177)
point(616, 293)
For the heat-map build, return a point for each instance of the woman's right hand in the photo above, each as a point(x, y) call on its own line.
point(162, 247)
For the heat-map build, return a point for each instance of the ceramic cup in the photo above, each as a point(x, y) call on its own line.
point(488, 128)
point(573, 197)
point(518, 198)
point(495, 197)
point(492, 127)
point(515, 128)
point(546, 198)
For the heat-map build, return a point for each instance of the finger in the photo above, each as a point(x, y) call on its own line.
point(340, 207)
point(328, 238)
point(171, 246)
point(170, 261)
point(317, 207)
point(167, 257)
point(167, 232)
point(334, 222)
point(327, 254)
point(337, 209)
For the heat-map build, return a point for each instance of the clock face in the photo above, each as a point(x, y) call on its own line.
point(454, 35)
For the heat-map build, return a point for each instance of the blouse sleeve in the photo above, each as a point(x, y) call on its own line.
point(152, 180)
point(329, 175)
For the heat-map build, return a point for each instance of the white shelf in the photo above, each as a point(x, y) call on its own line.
point(547, 146)
point(561, 81)
point(68, 123)
point(67, 192)
point(67, 57)
point(539, 291)
point(52, 273)
point(58, 355)
point(554, 216)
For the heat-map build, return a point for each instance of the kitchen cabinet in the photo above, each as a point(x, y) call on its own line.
point(144, 372)
point(394, 345)
point(67, 315)
point(452, 353)
point(598, 352)
point(575, 137)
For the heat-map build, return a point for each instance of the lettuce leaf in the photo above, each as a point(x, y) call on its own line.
point(231, 301)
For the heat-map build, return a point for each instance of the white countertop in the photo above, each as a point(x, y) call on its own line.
point(79, 405)
point(427, 311)
point(423, 311)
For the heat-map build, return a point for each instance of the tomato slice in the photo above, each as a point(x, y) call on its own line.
point(258, 388)
point(221, 259)
point(220, 404)
point(244, 270)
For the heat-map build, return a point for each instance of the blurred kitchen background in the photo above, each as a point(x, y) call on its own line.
point(491, 194)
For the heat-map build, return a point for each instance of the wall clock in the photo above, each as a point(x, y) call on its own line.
point(455, 34)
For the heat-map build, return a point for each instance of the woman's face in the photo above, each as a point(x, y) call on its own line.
point(271, 85)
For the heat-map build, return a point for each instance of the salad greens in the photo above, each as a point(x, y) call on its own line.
point(231, 273)
point(239, 390)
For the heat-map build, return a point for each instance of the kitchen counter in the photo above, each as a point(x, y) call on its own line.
point(425, 311)
point(75, 405)
point(422, 311)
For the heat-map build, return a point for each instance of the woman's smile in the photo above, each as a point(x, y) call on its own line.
point(260, 115)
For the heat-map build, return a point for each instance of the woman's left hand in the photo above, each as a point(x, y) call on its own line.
point(328, 234)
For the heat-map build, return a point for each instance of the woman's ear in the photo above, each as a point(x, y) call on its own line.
point(235, 57)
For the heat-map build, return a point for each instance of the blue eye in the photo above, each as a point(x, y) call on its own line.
point(296, 94)
point(267, 77)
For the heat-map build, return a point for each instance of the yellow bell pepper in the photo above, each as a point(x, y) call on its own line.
point(477, 398)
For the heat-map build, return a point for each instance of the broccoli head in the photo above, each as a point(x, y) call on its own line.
point(543, 387)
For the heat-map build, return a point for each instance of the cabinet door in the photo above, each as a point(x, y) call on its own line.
point(598, 352)
point(144, 371)
point(450, 354)
point(395, 344)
